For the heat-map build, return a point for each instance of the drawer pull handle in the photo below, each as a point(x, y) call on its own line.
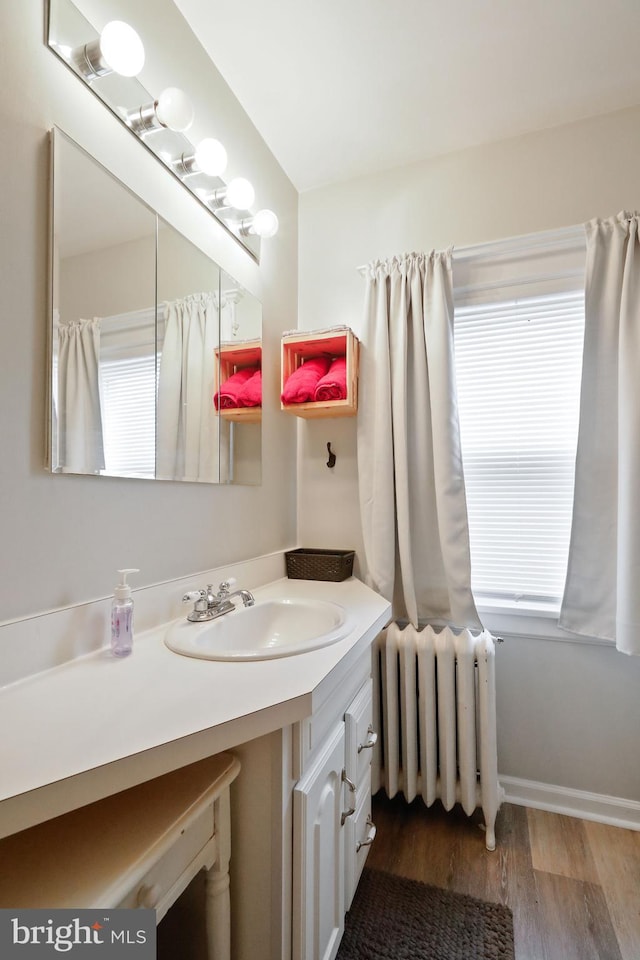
point(371, 740)
point(371, 835)
point(350, 812)
point(148, 896)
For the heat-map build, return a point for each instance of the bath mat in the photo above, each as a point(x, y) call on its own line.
point(392, 918)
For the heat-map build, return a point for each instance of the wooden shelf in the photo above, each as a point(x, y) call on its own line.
point(241, 414)
point(298, 347)
point(232, 357)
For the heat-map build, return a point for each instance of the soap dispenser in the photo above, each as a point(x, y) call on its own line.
point(122, 616)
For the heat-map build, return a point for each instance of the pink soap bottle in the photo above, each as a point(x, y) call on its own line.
point(122, 616)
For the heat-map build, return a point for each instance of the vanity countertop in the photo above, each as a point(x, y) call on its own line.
point(97, 724)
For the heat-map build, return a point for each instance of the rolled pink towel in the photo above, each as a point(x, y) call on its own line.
point(300, 386)
point(250, 393)
point(228, 394)
point(333, 385)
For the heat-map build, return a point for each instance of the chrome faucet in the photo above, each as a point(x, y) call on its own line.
point(209, 605)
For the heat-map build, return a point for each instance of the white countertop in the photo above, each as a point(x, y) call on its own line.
point(97, 725)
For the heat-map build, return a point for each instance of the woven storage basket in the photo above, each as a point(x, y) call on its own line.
point(303, 564)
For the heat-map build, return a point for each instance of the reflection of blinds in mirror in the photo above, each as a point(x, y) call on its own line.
point(128, 392)
point(128, 389)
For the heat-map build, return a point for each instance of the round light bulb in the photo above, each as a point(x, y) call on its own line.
point(240, 194)
point(265, 224)
point(211, 157)
point(122, 49)
point(174, 110)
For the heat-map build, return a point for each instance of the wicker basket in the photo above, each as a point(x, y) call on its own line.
point(303, 564)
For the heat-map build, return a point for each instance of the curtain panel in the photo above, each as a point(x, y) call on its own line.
point(411, 483)
point(601, 597)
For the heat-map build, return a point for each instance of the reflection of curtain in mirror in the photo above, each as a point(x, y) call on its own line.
point(80, 444)
point(187, 432)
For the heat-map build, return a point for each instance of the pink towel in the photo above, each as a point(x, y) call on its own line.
point(301, 384)
point(227, 395)
point(333, 386)
point(250, 393)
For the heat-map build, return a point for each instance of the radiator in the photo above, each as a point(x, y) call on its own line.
point(436, 714)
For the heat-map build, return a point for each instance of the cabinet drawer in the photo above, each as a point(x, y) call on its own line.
point(360, 735)
point(158, 880)
point(358, 838)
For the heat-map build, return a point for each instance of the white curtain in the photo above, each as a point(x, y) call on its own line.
point(411, 484)
point(602, 591)
point(80, 446)
point(187, 432)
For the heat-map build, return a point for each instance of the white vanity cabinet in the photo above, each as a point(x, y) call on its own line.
point(332, 827)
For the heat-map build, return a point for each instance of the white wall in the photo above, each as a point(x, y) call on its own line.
point(568, 714)
point(62, 537)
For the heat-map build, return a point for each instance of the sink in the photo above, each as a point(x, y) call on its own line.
point(271, 628)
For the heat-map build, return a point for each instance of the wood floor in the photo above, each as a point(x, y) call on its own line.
point(573, 885)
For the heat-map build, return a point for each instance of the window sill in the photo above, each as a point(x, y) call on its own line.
point(536, 620)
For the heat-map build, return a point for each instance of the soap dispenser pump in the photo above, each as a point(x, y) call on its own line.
point(122, 616)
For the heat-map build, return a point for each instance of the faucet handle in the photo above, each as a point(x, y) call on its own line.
point(192, 595)
point(226, 586)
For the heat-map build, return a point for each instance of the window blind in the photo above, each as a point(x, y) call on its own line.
point(518, 369)
point(128, 387)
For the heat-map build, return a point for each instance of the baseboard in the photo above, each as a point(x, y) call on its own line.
point(615, 811)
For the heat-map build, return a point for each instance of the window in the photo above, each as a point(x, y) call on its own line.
point(518, 367)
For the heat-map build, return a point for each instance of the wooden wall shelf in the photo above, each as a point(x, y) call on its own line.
point(298, 347)
point(232, 357)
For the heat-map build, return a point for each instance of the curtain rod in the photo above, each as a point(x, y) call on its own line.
point(563, 238)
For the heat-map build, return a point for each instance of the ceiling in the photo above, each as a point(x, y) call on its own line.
point(342, 88)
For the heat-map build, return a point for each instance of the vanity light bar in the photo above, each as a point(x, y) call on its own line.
point(119, 49)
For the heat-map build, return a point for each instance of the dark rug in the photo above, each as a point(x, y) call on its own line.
point(392, 918)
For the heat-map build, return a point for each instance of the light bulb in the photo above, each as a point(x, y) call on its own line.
point(174, 110)
point(211, 157)
point(265, 224)
point(122, 49)
point(239, 194)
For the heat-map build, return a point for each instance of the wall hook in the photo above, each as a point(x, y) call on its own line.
point(331, 462)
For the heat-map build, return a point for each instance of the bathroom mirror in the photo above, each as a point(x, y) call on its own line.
point(136, 320)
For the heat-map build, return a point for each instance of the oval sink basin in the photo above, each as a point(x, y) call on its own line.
point(271, 628)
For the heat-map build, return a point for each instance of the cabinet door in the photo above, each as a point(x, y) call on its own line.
point(318, 855)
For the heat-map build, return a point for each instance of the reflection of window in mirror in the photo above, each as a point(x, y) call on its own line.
point(128, 392)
